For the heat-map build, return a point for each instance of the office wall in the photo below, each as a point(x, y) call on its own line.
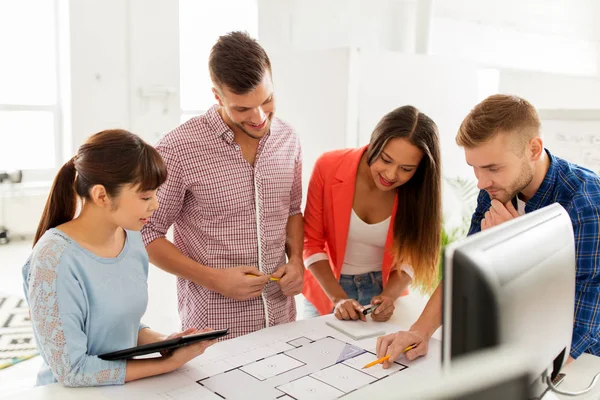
point(121, 71)
point(99, 68)
point(552, 91)
point(443, 88)
point(316, 94)
point(326, 24)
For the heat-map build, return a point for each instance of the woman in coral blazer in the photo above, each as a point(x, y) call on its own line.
point(372, 221)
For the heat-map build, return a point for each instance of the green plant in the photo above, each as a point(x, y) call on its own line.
point(450, 236)
point(466, 192)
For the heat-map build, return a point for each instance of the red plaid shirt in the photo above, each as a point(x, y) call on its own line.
point(227, 213)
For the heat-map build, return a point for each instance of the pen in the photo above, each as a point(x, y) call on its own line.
point(271, 278)
point(370, 309)
point(382, 359)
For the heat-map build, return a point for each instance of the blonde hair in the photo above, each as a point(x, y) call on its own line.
point(499, 113)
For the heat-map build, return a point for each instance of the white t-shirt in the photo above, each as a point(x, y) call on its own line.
point(366, 246)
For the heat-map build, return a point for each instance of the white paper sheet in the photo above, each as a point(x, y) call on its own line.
point(343, 377)
point(190, 392)
point(308, 388)
point(272, 366)
point(358, 330)
point(237, 384)
point(300, 342)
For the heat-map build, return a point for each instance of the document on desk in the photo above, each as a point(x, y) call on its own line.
point(303, 360)
point(358, 330)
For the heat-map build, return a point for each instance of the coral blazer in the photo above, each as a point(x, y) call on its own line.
point(327, 220)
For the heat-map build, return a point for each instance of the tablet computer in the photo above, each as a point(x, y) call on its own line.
point(163, 345)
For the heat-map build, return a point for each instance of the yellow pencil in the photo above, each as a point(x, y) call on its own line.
point(382, 359)
point(271, 278)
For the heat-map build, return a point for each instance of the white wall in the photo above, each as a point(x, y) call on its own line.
point(112, 63)
point(327, 24)
point(445, 89)
point(552, 91)
point(508, 47)
point(568, 18)
point(153, 61)
point(313, 92)
point(99, 69)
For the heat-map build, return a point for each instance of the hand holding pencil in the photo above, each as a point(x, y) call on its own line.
point(386, 358)
point(411, 343)
point(290, 277)
point(270, 277)
point(241, 283)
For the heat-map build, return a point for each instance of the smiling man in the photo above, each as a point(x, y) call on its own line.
point(517, 175)
point(233, 194)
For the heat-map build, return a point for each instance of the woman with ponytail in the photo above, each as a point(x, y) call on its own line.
point(86, 279)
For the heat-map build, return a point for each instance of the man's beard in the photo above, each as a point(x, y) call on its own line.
point(514, 189)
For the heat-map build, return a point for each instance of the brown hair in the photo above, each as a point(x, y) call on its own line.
point(238, 62)
point(111, 158)
point(418, 222)
point(499, 113)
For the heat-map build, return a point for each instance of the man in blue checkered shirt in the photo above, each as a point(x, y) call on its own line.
point(517, 175)
point(501, 137)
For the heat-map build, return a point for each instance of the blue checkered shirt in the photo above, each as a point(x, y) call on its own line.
point(577, 189)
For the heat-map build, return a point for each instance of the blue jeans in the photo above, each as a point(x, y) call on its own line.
point(361, 288)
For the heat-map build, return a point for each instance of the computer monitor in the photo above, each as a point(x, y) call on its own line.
point(513, 284)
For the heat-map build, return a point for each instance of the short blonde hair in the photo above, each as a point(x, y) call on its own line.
point(499, 113)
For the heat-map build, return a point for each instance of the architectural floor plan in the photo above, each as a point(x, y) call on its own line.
point(327, 368)
point(304, 360)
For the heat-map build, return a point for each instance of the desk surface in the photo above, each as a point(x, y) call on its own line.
point(578, 374)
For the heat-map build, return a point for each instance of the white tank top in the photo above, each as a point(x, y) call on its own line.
point(365, 246)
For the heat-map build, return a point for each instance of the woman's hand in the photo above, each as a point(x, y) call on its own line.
point(188, 331)
point(385, 310)
point(182, 355)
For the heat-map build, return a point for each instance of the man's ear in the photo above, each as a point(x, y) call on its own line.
point(536, 148)
point(217, 96)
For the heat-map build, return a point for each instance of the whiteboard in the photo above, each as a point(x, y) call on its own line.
point(573, 135)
